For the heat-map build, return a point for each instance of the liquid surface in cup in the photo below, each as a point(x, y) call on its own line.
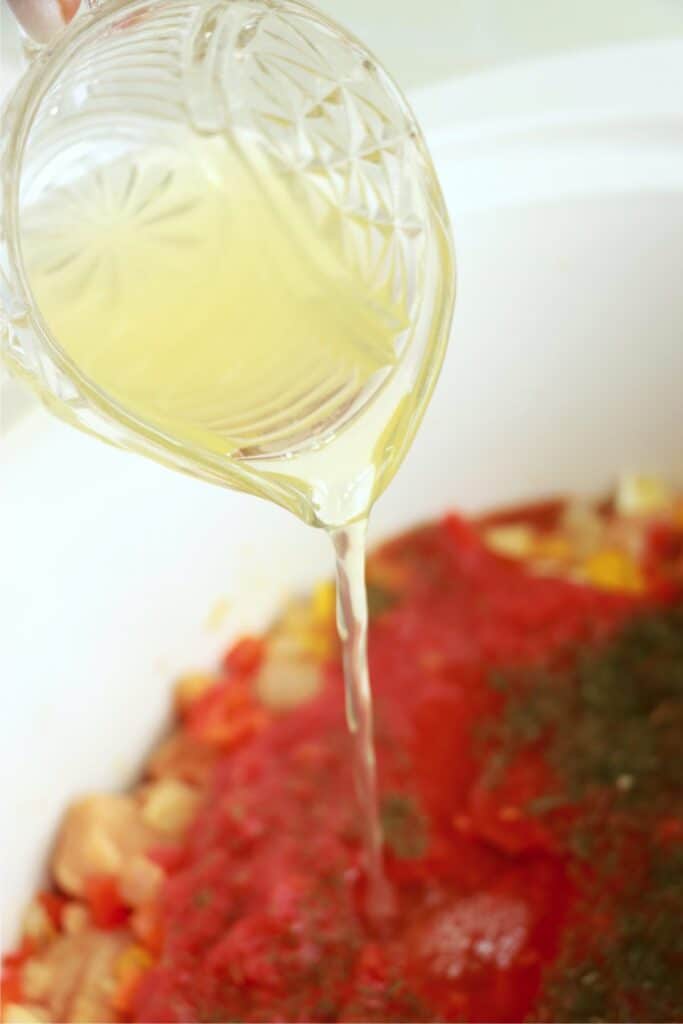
point(230, 306)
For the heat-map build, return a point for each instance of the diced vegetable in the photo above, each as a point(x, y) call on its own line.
point(169, 805)
point(16, 1013)
point(640, 495)
point(130, 968)
point(190, 688)
point(105, 902)
point(96, 837)
point(244, 657)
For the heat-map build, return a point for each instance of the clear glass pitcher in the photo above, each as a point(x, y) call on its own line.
point(126, 75)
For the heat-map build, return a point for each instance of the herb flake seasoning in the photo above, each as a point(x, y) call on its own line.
point(610, 727)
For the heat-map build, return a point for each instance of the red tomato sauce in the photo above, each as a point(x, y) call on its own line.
point(261, 917)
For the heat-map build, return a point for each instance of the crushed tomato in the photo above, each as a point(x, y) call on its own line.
point(264, 920)
point(260, 915)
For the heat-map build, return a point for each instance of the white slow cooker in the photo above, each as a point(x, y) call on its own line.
point(565, 184)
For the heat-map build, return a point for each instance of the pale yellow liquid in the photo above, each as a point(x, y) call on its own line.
point(234, 312)
point(213, 302)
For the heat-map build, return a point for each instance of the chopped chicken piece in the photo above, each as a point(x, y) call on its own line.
point(181, 756)
point(287, 677)
point(169, 805)
point(37, 925)
point(24, 1013)
point(584, 526)
point(98, 835)
point(74, 977)
point(75, 918)
point(140, 881)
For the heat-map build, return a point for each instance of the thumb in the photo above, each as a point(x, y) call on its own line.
point(43, 19)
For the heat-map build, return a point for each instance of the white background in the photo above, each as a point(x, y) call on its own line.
point(425, 40)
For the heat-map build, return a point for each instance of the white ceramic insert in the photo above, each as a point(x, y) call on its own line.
point(565, 182)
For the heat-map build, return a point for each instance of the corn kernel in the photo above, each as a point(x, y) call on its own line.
point(551, 547)
point(323, 603)
point(307, 626)
point(37, 925)
point(613, 570)
point(639, 495)
point(169, 805)
point(190, 688)
point(317, 645)
point(131, 961)
point(130, 966)
point(514, 541)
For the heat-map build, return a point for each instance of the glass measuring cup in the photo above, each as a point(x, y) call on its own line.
point(131, 75)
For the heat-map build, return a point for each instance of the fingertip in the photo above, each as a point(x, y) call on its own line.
point(43, 19)
point(68, 9)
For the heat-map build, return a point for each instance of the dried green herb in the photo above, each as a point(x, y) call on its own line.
point(380, 599)
point(403, 826)
point(610, 723)
point(202, 898)
point(634, 972)
point(613, 719)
